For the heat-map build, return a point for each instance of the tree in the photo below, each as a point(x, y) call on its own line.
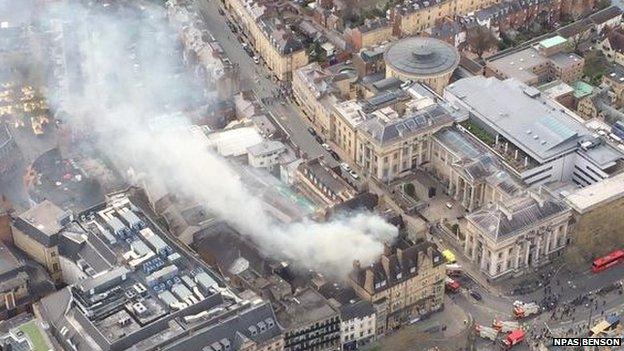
point(316, 52)
point(481, 39)
point(595, 66)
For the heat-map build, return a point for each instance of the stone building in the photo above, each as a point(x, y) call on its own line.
point(263, 22)
point(544, 62)
point(316, 90)
point(390, 144)
point(421, 59)
point(515, 236)
point(598, 216)
point(14, 282)
point(405, 283)
point(417, 15)
point(371, 33)
point(471, 174)
point(36, 232)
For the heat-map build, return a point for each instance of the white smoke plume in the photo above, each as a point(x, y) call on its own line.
point(131, 73)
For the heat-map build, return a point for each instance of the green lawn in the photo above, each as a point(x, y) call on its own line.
point(34, 335)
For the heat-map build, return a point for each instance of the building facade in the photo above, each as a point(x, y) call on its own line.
point(406, 282)
point(417, 15)
point(280, 48)
point(36, 232)
point(514, 237)
point(389, 145)
point(371, 33)
point(316, 90)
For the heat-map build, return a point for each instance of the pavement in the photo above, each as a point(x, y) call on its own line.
point(31, 146)
point(254, 77)
point(446, 330)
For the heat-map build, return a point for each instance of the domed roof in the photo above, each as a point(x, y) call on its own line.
point(422, 56)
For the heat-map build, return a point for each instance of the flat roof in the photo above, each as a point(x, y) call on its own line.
point(540, 127)
point(581, 89)
point(519, 64)
point(589, 197)
point(45, 217)
point(554, 41)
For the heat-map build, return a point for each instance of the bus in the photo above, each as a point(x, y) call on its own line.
point(608, 261)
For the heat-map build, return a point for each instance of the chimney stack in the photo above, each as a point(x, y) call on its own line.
point(387, 249)
point(369, 281)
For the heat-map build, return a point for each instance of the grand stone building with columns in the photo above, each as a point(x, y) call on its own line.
point(472, 176)
point(512, 237)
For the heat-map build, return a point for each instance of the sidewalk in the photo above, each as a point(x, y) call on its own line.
point(444, 239)
point(419, 336)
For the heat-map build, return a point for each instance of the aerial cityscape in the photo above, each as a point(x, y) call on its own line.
point(322, 175)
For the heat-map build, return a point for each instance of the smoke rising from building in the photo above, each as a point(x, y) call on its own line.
point(132, 72)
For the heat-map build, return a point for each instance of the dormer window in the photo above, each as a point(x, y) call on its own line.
point(413, 269)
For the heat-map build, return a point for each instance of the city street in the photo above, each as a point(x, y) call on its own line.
point(254, 77)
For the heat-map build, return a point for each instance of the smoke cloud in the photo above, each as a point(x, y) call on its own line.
point(131, 73)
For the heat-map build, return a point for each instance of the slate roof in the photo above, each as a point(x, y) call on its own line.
point(616, 40)
point(407, 266)
point(358, 309)
point(258, 325)
point(385, 133)
point(525, 212)
point(606, 14)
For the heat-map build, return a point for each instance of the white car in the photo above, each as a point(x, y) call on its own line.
point(326, 147)
point(353, 174)
point(256, 59)
point(449, 205)
point(345, 166)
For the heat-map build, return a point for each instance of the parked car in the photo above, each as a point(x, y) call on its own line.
point(311, 131)
point(221, 12)
point(326, 147)
point(345, 166)
point(318, 139)
point(475, 295)
point(334, 155)
point(256, 59)
point(353, 174)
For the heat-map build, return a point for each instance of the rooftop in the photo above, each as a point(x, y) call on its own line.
point(46, 217)
point(552, 42)
point(537, 125)
point(400, 262)
point(385, 131)
point(581, 89)
point(136, 289)
point(8, 261)
point(589, 197)
point(307, 307)
point(422, 56)
point(266, 147)
point(499, 222)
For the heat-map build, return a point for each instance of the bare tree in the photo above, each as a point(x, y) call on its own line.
point(481, 39)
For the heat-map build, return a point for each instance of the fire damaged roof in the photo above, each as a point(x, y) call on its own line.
point(397, 264)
